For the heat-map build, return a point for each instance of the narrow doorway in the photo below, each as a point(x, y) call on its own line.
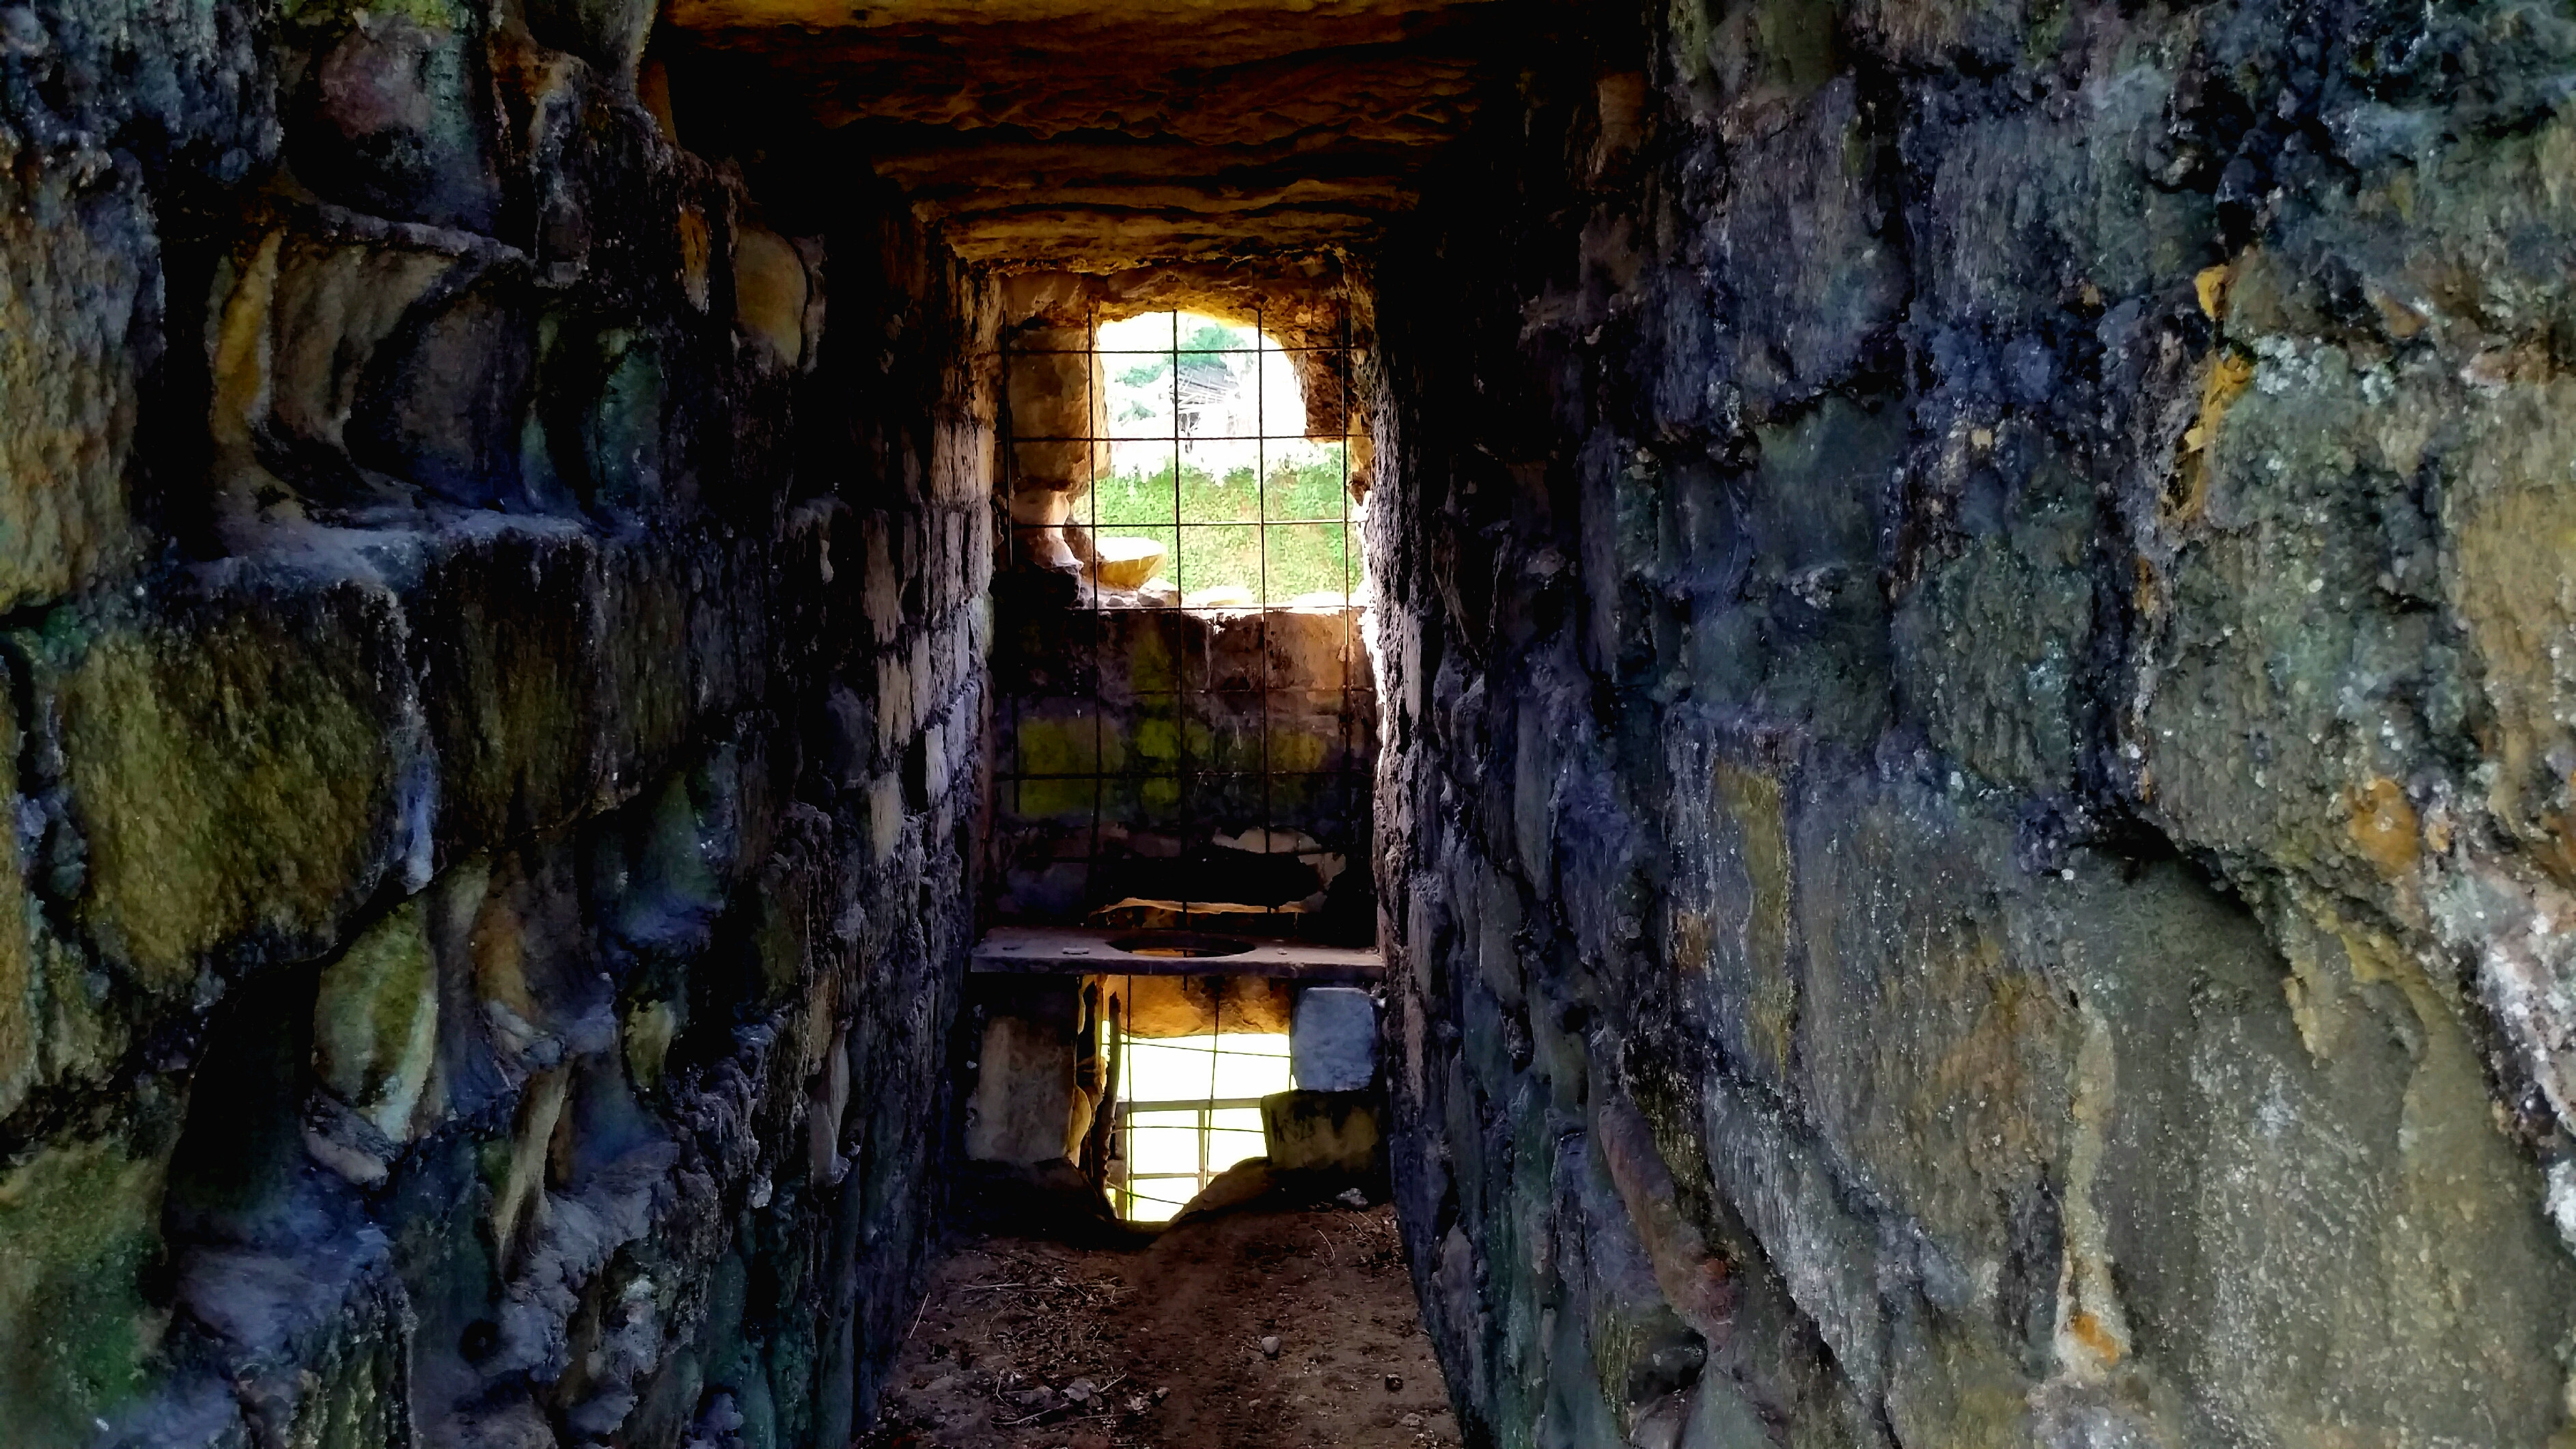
point(1180, 1226)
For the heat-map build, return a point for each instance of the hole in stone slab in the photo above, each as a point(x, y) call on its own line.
point(1184, 944)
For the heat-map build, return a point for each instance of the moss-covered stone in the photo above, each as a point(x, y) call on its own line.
point(234, 769)
point(82, 1225)
point(74, 267)
point(375, 1021)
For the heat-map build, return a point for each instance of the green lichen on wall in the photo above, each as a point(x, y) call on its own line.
point(231, 779)
point(375, 1021)
point(82, 1222)
point(1136, 741)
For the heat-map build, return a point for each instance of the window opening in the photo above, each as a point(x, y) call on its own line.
point(1216, 776)
point(1200, 446)
point(1188, 1108)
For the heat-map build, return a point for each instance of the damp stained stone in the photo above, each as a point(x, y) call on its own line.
point(1964, 696)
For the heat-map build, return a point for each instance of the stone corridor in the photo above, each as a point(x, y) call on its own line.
point(1962, 714)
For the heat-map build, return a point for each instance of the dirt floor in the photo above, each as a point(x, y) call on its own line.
point(1251, 1330)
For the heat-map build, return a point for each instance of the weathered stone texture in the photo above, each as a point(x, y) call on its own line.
point(1978, 750)
point(1135, 748)
point(1103, 137)
point(443, 922)
point(1978, 805)
point(71, 284)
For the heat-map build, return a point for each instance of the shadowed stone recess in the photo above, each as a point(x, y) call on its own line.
point(1103, 138)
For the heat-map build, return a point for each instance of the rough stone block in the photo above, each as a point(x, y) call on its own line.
point(610, 438)
point(448, 402)
point(397, 118)
point(1023, 1108)
point(677, 647)
point(2026, 206)
point(770, 290)
point(1986, 649)
point(893, 701)
point(375, 1022)
point(73, 269)
point(1057, 389)
point(885, 815)
point(235, 767)
point(535, 988)
point(849, 737)
point(302, 315)
point(1333, 1133)
point(322, 1341)
point(508, 625)
point(1332, 1043)
point(1167, 1006)
point(1800, 316)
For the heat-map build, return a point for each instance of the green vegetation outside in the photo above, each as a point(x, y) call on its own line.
point(1224, 546)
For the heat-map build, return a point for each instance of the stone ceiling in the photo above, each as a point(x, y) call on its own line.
point(1100, 135)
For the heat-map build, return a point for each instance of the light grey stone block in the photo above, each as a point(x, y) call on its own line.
point(1332, 1039)
point(1022, 1111)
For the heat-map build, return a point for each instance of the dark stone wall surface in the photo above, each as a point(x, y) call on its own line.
point(493, 631)
point(1975, 818)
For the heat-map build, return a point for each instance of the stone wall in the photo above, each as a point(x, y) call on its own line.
point(1139, 754)
point(1979, 744)
point(493, 639)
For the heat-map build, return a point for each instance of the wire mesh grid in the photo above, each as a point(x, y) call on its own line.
point(1183, 745)
point(1155, 1195)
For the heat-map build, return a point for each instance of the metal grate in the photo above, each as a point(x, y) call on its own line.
point(1223, 1130)
point(1198, 531)
point(1226, 695)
